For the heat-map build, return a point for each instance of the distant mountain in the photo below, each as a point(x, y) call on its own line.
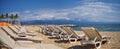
point(38, 22)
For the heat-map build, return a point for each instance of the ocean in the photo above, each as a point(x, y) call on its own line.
point(100, 27)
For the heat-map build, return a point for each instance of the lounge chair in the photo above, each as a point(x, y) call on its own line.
point(20, 37)
point(44, 30)
point(18, 27)
point(50, 30)
point(11, 44)
point(55, 31)
point(41, 29)
point(73, 35)
point(22, 27)
point(60, 32)
point(94, 37)
point(21, 31)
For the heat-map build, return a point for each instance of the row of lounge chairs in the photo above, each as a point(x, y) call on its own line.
point(91, 36)
point(20, 35)
point(11, 37)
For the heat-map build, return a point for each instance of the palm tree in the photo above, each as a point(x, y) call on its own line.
point(1, 16)
point(16, 16)
point(7, 17)
point(13, 17)
point(16, 19)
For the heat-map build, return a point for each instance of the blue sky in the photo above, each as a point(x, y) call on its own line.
point(79, 10)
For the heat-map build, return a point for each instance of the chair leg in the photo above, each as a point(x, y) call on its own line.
point(73, 40)
point(108, 40)
point(98, 45)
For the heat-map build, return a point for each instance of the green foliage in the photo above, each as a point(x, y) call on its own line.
point(6, 15)
point(13, 16)
point(16, 16)
point(1, 16)
point(10, 17)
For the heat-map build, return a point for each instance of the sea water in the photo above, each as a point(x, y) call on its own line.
point(100, 27)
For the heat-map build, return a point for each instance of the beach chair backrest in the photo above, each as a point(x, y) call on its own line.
point(56, 29)
point(14, 29)
point(43, 28)
point(59, 28)
point(6, 40)
point(70, 32)
point(9, 31)
point(51, 28)
point(65, 28)
point(75, 34)
point(92, 33)
point(62, 30)
point(17, 27)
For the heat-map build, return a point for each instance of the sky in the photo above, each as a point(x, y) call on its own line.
point(79, 10)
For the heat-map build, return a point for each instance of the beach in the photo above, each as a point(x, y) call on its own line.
point(59, 24)
point(114, 41)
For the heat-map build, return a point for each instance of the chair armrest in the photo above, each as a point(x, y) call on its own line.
point(95, 39)
point(106, 39)
point(64, 36)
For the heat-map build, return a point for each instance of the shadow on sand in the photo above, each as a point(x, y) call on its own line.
point(57, 40)
point(81, 47)
point(61, 41)
point(53, 38)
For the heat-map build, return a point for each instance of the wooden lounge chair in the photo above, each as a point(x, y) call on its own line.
point(73, 35)
point(61, 32)
point(11, 44)
point(22, 31)
point(94, 37)
point(41, 29)
point(55, 31)
point(18, 27)
point(44, 30)
point(20, 37)
point(50, 30)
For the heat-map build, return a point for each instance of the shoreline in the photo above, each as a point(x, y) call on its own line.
point(74, 30)
point(101, 31)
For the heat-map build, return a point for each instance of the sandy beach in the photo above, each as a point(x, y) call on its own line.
point(60, 24)
point(114, 41)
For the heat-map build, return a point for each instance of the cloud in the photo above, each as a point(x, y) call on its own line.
point(88, 11)
point(27, 11)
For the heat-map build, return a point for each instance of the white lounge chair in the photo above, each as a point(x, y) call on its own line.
point(20, 37)
point(94, 37)
point(22, 31)
point(73, 35)
point(22, 27)
point(9, 43)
